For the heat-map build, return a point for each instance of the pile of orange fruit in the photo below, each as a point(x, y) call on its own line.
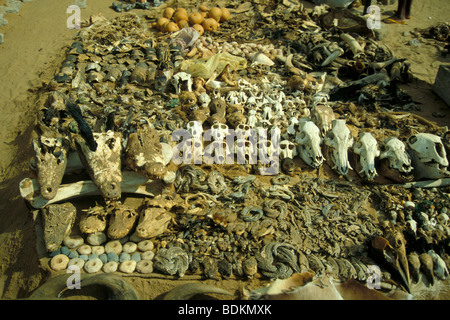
point(204, 19)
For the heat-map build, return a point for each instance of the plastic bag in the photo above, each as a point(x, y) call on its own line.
point(215, 64)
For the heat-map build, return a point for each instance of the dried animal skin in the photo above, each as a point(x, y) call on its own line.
point(144, 153)
point(122, 221)
point(51, 163)
point(58, 220)
point(93, 220)
point(153, 221)
point(104, 164)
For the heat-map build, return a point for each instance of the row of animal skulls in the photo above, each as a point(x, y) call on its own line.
point(423, 151)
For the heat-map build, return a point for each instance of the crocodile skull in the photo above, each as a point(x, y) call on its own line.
point(309, 141)
point(428, 156)
point(322, 116)
point(339, 139)
point(396, 159)
point(367, 149)
point(104, 164)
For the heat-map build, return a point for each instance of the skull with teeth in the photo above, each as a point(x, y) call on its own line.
point(395, 162)
point(339, 139)
point(428, 156)
point(367, 150)
point(309, 141)
point(287, 149)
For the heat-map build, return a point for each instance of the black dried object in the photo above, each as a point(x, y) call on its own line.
point(83, 126)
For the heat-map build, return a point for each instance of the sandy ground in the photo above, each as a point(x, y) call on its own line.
point(35, 40)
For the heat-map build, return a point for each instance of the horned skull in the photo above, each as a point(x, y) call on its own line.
point(309, 141)
point(339, 139)
point(367, 149)
point(397, 160)
point(428, 156)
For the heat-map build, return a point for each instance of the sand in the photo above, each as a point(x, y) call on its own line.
point(34, 47)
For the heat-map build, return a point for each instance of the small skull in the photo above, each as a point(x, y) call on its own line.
point(287, 149)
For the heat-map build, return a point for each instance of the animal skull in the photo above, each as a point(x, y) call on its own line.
point(204, 99)
point(242, 131)
point(428, 156)
point(293, 124)
point(252, 119)
point(397, 158)
point(219, 131)
point(323, 116)
point(339, 139)
point(287, 149)
point(104, 164)
point(195, 129)
point(309, 141)
point(181, 78)
point(367, 149)
point(245, 152)
point(216, 152)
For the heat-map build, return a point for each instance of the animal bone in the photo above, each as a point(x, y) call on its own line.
point(309, 141)
point(51, 162)
point(216, 152)
point(367, 150)
point(104, 164)
point(180, 79)
point(132, 183)
point(245, 152)
point(395, 161)
point(356, 48)
point(339, 139)
point(428, 156)
point(195, 129)
point(287, 149)
point(323, 116)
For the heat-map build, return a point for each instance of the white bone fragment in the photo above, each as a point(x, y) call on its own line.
point(132, 183)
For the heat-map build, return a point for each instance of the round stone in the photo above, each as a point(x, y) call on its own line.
point(136, 256)
point(129, 247)
point(124, 257)
point(72, 242)
point(110, 266)
point(127, 266)
point(92, 256)
point(103, 257)
point(73, 254)
point(93, 266)
point(59, 262)
point(147, 255)
point(144, 266)
point(98, 250)
point(96, 238)
point(145, 245)
point(84, 249)
point(113, 246)
point(112, 256)
point(65, 250)
point(84, 257)
point(54, 253)
point(78, 262)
